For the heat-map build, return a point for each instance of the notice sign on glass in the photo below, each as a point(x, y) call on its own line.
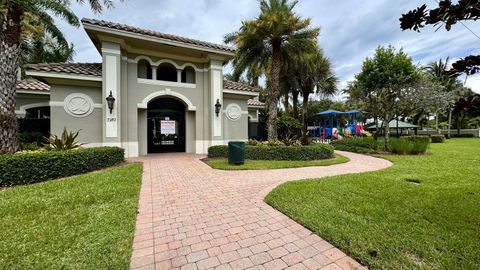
point(167, 127)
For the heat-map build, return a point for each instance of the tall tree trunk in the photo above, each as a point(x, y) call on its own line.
point(295, 103)
point(449, 121)
point(436, 122)
point(286, 104)
point(306, 94)
point(274, 92)
point(459, 122)
point(375, 120)
point(386, 131)
point(9, 57)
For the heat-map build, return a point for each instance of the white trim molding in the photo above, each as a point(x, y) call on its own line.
point(167, 83)
point(64, 76)
point(238, 92)
point(33, 92)
point(23, 109)
point(161, 61)
point(166, 93)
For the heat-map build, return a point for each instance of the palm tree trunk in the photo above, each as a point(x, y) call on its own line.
point(9, 57)
point(286, 104)
point(295, 103)
point(274, 92)
point(304, 117)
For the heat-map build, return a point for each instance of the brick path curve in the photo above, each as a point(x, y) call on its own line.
point(194, 217)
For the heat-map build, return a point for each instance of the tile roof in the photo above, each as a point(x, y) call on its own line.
point(89, 69)
point(255, 102)
point(95, 69)
point(33, 85)
point(239, 86)
point(133, 29)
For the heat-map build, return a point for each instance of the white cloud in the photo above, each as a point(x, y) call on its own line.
point(350, 30)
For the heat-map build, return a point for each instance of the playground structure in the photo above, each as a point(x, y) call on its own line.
point(337, 125)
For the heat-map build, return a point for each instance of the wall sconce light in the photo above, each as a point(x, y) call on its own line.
point(110, 101)
point(217, 107)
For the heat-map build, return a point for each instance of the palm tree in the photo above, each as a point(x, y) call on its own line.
point(315, 75)
point(264, 41)
point(439, 69)
point(12, 13)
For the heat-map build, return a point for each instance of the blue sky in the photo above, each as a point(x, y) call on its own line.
point(350, 29)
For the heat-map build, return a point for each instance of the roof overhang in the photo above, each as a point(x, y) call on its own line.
point(249, 94)
point(96, 32)
point(65, 78)
point(33, 92)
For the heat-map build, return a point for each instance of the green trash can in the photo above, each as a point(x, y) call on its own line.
point(236, 153)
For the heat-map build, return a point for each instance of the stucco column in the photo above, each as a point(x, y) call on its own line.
point(111, 58)
point(216, 85)
point(154, 73)
point(179, 75)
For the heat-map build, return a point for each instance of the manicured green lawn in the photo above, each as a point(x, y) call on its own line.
point(81, 222)
point(222, 164)
point(387, 222)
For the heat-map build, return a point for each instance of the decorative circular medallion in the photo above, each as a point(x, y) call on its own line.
point(234, 112)
point(78, 105)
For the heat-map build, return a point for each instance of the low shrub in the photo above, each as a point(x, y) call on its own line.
point(218, 151)
point(437, 138)
point(410, 145)
point(32, 167)
point(364, 145)
point(266, 152)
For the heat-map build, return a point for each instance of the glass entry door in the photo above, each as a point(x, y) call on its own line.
point(166, 126)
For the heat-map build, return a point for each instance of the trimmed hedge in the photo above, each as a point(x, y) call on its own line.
point(32, 167)
point(311, 152)
point(363, 145)
point(437, 138)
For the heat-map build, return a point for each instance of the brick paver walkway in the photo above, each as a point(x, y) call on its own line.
point(194, 217)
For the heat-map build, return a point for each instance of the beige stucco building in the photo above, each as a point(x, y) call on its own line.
point(169, 93)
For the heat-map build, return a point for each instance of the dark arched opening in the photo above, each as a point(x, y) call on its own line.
point(166, 125)
point(188, 75)
point(144, 69)
point(167, 72)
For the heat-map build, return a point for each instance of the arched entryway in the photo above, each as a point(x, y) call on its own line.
point(166, 125)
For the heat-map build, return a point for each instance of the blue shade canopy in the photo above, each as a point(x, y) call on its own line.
point(330, 112)
point(352, 112)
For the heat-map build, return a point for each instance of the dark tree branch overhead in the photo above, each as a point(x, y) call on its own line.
point(447, 14)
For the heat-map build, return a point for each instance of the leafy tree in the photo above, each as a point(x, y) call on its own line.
point(12, 14)
point(384, 81)
point(428, 95)
point(451, 85)
point(464, 107)
point(262, 42)
point(447, 14)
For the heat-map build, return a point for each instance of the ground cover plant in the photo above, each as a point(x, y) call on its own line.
point(421, 213)
point(81, 222)
point(222, 164)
